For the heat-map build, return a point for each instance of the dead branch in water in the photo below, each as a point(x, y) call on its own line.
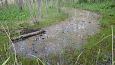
point(25, 36)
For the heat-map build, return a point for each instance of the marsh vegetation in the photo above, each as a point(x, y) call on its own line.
point(77, 32)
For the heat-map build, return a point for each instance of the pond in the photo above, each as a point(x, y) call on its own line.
point(69, 34)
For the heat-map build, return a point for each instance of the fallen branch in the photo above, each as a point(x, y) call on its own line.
point(25, 36)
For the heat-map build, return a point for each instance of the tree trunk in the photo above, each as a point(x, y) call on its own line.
point(20, 3)
point(39, 8)
point(2, 3)
point(6, 2)
point(58, 6)
point(46, 7)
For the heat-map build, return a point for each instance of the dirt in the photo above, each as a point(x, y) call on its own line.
point(71, 33)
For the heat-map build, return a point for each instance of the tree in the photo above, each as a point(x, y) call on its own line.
point(39, 8)
point(6, 2)
point(20, 4)
point(46, 1)
point(1, 2)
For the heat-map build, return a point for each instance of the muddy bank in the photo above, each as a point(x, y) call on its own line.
point(69, 34)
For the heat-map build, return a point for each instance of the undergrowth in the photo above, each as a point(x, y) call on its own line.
point(16, 19)
point(98, 49)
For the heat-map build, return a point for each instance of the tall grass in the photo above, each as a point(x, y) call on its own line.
point(12, 12)
point(14, 19)
point(12, 57)
point(4, 63)
point(98, 50)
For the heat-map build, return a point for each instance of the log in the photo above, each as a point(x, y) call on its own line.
point(25, 36)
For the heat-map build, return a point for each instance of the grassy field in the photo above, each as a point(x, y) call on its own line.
point(98, 50)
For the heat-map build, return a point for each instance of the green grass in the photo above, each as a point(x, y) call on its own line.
point(13, 13)
point(102, 40)
point(15, 20)
point(93, 53)
point(54, 19)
